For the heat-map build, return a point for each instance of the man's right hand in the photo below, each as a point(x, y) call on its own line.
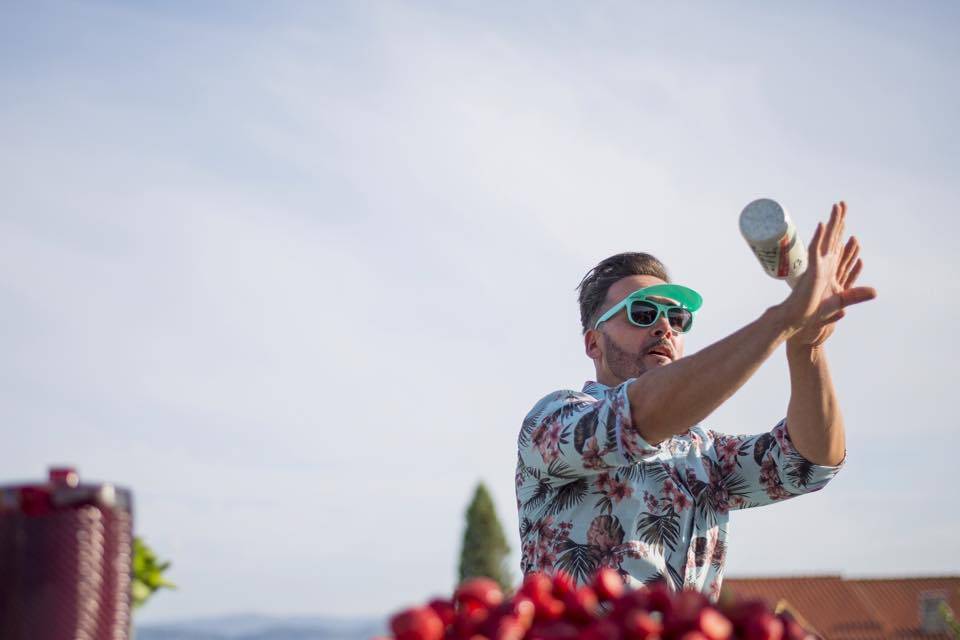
point(826, 288)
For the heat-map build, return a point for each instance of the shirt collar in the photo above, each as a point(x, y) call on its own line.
point(594, 389)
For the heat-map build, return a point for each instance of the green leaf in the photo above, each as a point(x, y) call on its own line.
point(147, 573)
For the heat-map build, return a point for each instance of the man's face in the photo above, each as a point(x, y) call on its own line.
point(621, 350)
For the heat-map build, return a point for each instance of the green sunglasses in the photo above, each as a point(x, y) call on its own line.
point(643, 312)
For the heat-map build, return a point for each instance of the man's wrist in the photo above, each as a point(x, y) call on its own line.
point(780, 318)
point(800, 352)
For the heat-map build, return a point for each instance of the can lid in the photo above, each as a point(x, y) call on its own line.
point(763, 221)
point(62, 491)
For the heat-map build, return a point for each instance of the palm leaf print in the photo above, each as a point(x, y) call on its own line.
point(800, 470)
point(605, 504)
point(641, 471)
point(659, 531)
point(532, 421)
point(764, 442)
point(585, 429)
point(567, 497)
point(525, 525)
point(539, 496)
point(675, 576)
point(579, 560)
point(560, 470)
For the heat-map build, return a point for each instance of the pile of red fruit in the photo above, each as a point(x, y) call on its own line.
point(554, 608)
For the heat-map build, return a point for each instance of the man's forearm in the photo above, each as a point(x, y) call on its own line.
point(813, 415)
point(669, 400)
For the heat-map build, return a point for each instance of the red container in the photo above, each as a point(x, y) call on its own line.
point(65, 560)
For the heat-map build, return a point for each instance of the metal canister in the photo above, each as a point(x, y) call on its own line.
point(65, 560)
point(771, 234)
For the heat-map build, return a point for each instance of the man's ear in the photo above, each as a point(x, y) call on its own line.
point(591, 344)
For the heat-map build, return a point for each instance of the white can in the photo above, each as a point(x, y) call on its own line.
point(772, 236)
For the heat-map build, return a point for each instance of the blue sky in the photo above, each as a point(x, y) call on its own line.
point(295, 272)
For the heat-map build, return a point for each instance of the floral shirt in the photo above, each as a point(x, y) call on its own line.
point(592, 492)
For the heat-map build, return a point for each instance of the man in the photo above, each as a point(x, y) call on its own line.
point(623, 474)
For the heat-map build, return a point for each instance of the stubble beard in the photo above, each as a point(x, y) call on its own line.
point(622, 363)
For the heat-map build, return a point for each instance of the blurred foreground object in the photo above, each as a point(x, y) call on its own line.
point(65, 556)
point(147, 573)
point(554, 608)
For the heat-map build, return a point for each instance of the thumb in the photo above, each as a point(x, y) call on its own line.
point(856, 295)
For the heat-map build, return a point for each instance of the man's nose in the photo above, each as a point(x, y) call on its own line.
point(662, 326)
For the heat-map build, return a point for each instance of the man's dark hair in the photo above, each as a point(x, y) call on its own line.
point(595, 285)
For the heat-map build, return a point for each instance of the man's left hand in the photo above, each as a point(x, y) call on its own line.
point(848, 266)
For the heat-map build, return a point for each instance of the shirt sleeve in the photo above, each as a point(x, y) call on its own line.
point(751, 471)
point(570, 434)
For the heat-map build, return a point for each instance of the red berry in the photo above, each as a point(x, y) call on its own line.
point(764, 626)
point(468, 622)
point(444, 609)
point(693, 635)
point(713, 624)
point(632, 600)
point(608, 584)
point(660, 598)
point(483, 591)
point(601, 630)
point(547, 607)
point(556, 630)
point(563, 584)
point(793, 630)
point(536, 583)
point(581, 605)
point(420, 623)
point(744, 610)
point(525, 611)
point(640, 625)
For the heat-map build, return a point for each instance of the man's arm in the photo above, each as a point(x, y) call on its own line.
point(813, 415)
point(670, 400)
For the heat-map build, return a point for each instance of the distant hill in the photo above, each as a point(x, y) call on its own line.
point(250, 627)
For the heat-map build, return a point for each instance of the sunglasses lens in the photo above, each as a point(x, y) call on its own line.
point(680, 319)
point(643, 313)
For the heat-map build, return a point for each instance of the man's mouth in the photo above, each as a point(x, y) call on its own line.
point(660, 350)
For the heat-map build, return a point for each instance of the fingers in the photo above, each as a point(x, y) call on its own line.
point(848, 261)
point(827, 238)
point(838, 235)
point(853, 275)
point(830, 243)
point(814, 247)
point(856, 295)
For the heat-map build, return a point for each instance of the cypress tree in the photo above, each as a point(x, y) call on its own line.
point(485, 548)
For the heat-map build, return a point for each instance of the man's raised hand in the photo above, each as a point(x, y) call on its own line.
point(827, 287)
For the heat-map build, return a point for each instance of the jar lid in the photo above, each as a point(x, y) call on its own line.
point(60, 492)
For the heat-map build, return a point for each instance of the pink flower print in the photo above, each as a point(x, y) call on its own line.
point(650, 501)
point(715, 589)
point(727, 449)
point(619, 490)
point(783, 438)
point(603, 482)
point(547, 441)
point(592, 456)
point(669, 489)
point(634, 549)
point(605, 532)
point(681, 502)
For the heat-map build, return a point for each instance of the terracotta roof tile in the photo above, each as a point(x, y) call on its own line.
point(841, 609)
